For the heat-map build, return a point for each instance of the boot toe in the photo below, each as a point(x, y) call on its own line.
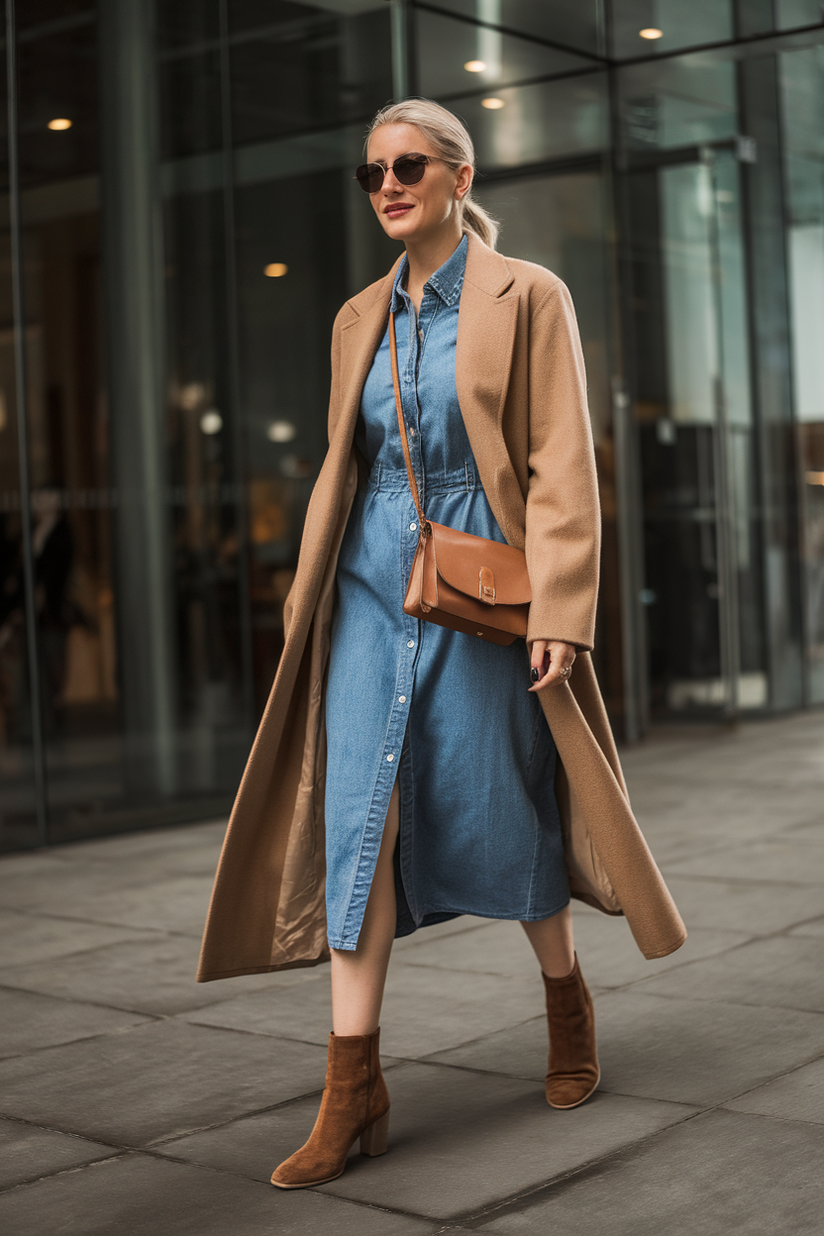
point(564, 1092)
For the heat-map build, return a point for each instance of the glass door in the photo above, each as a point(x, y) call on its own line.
point(701, 592)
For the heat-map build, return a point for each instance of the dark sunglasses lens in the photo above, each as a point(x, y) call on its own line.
point(410, 171)
point(370, 177)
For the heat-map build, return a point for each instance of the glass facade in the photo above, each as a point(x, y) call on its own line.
point(180, 226)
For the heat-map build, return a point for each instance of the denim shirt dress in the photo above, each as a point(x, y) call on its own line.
point(447, 713)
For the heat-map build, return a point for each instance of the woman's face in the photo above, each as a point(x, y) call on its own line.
point(421, 212)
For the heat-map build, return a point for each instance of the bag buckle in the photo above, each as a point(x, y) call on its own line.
point(486, 586)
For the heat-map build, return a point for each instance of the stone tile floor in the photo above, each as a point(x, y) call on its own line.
point(133, 1100)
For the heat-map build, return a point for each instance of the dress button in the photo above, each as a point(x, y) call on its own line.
point(413, 527)
point(401, 699)
point(390, 757)
point(410, 643)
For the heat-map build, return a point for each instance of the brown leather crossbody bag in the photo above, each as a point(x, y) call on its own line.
point(460, 581)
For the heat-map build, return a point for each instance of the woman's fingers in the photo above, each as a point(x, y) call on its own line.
point(551, 661)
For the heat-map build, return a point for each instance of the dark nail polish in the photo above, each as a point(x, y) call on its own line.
point(535, 674)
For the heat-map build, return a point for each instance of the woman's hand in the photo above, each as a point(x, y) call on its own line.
point(552, 659)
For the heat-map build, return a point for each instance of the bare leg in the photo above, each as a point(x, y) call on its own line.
point(358, 977)
point(551, 938)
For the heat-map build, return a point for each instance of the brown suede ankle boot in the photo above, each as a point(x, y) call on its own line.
point(573, 1058)
point(355, 1104)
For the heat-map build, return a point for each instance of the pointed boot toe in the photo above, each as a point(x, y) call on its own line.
point(355, 1104)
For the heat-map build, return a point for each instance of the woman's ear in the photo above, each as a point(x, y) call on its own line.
point(466, 175)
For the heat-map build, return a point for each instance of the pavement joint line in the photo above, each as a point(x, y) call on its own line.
point(63, 1171)
point(34, 912)
point(521, 1200)
point(96, 1004)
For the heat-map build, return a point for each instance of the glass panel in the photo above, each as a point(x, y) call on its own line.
point(793, 13)
point(680, 102)
point(18, 810)
point(702, 587)
point(574, 24)
point(540, 123)
point(650, 27)
point(458, 55)
point(303, 66)
point(802, 89)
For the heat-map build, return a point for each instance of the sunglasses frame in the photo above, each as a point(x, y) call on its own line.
point(422, 160)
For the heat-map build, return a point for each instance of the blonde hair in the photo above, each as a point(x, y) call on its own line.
point(450, 139)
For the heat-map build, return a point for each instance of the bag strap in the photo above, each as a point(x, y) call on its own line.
point(393, 350)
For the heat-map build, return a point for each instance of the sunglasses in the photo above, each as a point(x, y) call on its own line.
point(408, 169)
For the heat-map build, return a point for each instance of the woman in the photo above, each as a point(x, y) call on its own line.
point(426, 756)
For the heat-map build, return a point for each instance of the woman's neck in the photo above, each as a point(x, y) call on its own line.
point(427, 257)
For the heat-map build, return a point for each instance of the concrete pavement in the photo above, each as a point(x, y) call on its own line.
point(133, 1100)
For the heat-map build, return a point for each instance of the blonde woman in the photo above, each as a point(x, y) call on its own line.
point(404, 773)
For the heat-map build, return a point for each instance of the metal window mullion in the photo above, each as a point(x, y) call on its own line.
point(21, 393)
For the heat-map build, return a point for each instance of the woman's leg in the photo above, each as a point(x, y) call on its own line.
point(358, 977)
point(573, 1071)
point(551, 938)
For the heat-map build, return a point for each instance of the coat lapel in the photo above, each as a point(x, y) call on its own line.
point(487, 322)
point(360, 338)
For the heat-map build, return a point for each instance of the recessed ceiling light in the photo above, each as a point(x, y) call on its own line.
point(651, 32)
point(275, 270)
point(281, 431)
point(61, 123)
point(475, 66)
point(493, 104)
point(211, 421)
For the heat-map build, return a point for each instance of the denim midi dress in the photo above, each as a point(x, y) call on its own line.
point(448, 714)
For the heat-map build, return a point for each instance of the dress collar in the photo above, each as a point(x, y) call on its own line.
point(446, 282)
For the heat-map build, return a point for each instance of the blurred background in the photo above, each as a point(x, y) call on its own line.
point(180, 226)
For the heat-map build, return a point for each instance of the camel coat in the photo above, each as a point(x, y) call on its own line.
point(522, 391)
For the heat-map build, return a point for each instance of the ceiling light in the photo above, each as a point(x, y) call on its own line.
point(61, 123)
point(211, 421)
point(651, 32)
point(475, 66)
point(281, 431)
point(275, 270)
point(493, 104)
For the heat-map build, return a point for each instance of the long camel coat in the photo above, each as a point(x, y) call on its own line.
point(522, 392)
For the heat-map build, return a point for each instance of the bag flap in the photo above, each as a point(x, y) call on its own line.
point(459, 558)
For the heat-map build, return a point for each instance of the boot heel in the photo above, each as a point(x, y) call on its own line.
point(373, 1141)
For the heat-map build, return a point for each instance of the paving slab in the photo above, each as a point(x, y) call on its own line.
point(41, 882)
point(149, 843)
point(722, 1172)
point(140, 1195)
point(457, 1141)
point(684, 1051)
point(783, 971)
point(778, 861)
point(464, 1140)
point(29, 1153)
point(29, 1021)
point(748, 906)
point(608, 954)
point(811, 833)
point(425, 1009)
point(795, 1096)
point(36, 937)
point(157, 1080)
point(155, 974)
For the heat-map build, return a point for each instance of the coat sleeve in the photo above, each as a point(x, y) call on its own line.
point(563, 519)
